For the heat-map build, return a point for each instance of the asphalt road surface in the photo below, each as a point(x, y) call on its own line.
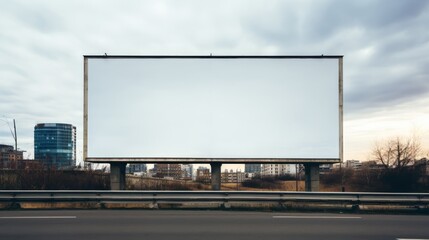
point(206, 225)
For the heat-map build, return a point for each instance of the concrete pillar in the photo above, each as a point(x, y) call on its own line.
point(216, 178)
point(311, 177)
point(117, 176)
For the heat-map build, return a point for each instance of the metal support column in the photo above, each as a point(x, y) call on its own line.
point(216, 178)
point(311, 177)
point(117, 176)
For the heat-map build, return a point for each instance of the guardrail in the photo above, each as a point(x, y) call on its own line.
point(216, 199)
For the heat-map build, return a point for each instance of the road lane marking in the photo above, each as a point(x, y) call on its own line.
point(316, 217)
point(411, 239)
point(39, 217)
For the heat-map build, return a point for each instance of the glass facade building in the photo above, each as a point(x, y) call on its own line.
point(252, 168)
point(55, 145)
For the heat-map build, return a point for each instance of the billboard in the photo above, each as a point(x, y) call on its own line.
point(213, 108)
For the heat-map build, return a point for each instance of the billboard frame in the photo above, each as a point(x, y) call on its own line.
point(191, 160)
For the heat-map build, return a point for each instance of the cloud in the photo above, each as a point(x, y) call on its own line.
point(385, 95)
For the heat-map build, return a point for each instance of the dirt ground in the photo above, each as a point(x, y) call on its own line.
point(135, 183)
point(286, 186)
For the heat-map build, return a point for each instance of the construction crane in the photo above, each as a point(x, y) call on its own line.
point(13, 133)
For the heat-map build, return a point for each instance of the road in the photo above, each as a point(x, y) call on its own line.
point(206, 225)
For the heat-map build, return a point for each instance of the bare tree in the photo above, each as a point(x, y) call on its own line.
point(397, 152)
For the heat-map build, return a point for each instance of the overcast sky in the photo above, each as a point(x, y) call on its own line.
point(385, 46)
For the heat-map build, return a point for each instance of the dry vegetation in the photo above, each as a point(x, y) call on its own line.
point(53, 180)
point(385, 180)
point(139, 183)
point(365, 180)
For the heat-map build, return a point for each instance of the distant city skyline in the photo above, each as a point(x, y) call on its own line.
point(384, 43)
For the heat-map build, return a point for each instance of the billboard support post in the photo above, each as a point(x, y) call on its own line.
point(117, 175)
point(216, 176)
point(311, 177)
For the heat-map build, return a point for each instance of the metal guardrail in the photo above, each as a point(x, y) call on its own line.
point(20, 196)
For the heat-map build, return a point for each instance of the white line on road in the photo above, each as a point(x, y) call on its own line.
point(411, 239)
point(39, 217)
point(316, 217)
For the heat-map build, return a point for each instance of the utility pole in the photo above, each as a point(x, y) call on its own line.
point(15, 136)
point(296, 177)
point(236, 174)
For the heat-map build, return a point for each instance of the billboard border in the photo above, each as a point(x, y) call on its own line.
point(217, 56)
point(85, 108)
point(213, 160)
point(193, 160)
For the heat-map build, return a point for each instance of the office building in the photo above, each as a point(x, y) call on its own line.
point(136, 168)
point(252, 168)
point(233, 177)
point(171, 171)
point(55, 145)
point(187, 171)
point(325, 168)
point(276, 169)
point(203, 175)
point(354, 164)
point(9, 157)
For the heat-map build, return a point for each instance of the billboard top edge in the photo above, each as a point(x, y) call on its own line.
point(216, 56)
point(212, 160)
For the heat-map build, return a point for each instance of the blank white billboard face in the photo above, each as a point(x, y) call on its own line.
point(213, 108)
